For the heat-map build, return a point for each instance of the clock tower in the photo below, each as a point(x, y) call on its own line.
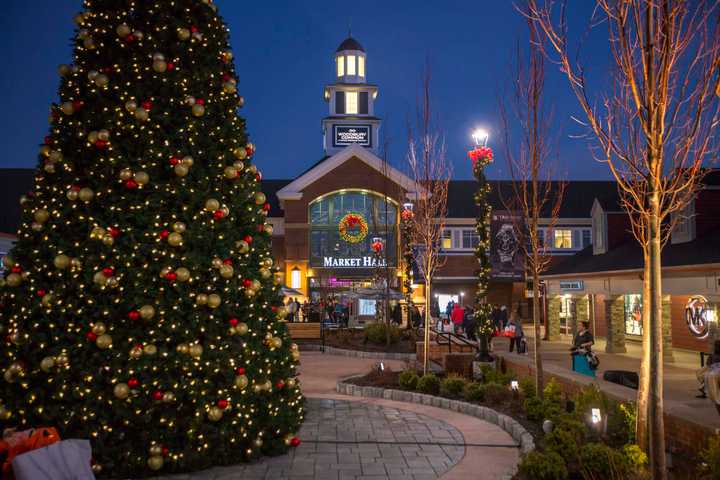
point(351, 120)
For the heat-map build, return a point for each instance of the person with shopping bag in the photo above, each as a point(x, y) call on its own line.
point(515, 328)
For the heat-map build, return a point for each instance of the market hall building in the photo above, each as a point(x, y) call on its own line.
point(326, 219)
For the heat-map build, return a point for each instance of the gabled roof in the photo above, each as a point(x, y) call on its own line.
point(293, 191)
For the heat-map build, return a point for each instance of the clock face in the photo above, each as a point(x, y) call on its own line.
point(344, 135)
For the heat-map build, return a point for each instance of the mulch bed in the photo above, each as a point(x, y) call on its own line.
point(355, 340)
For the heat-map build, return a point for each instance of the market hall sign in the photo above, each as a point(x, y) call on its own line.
point(358, 262)
point(344, 135)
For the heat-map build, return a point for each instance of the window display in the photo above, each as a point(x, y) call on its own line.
point(633, 314)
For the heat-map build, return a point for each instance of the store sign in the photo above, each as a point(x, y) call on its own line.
point(344, 135)
point(698, 315)
point(359, 262)
point(572, 286)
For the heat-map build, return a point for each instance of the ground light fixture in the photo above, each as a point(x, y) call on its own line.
point(596, 416)
point(514, 385)
point(480, 136)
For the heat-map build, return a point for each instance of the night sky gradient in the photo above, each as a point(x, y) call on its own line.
point(284, 55)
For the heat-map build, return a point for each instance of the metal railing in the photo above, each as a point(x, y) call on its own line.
point(453, 338)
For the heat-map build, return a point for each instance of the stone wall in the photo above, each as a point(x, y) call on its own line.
point(615, 323)
point(554, 319)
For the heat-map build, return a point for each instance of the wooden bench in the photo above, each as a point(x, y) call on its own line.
point(304, 331)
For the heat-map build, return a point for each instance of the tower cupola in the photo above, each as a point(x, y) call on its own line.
point(350, 62)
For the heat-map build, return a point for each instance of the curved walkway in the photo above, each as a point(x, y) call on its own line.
point(351, 438)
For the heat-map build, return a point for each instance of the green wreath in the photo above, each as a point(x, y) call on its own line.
point(353, 228)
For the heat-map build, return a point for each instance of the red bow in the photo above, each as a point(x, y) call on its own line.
point(480, 152)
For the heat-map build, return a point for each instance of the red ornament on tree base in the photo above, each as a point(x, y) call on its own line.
point(295, 441)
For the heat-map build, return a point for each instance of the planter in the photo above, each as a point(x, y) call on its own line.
point(360, 353)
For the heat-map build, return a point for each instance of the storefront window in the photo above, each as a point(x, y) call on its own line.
point(343, 225)
point(633, 314)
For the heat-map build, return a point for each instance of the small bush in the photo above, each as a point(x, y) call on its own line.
point(551, 392)
point(474, 392)
point(569, 423)
point(543, 466)
point(376, 333)
point(710, 457)
point(539, 410)
point(629, 413)
point(496, 393)
point(527, 387)
point(599, 461)
point(408, 380)
point(452, 386)
point(635, 457)
point(429, 384)
point(563, 442)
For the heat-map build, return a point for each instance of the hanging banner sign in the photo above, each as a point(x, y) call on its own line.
point(506, 256)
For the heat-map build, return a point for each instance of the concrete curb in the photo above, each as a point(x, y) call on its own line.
point(506, 423)
point(359, 353)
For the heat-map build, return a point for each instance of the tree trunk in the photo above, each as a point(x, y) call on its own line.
point(536, 325)
point(641, 427)
point(656, 422)
point(426, 329)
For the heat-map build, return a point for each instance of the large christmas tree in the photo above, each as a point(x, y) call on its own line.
point(139, 305)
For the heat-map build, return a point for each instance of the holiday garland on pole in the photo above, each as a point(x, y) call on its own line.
point(481, 157)
point(139, 309)
point(406, 217)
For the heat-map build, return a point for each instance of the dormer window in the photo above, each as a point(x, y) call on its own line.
point(340, 66)
point(361, 66)
point(351, 64)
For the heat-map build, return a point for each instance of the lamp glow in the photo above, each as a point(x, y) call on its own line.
point(480, 136)
point(514, 385)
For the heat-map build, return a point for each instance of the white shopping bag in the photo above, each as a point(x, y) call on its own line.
point(64, 460)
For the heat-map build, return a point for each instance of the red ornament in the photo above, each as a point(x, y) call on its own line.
point(227, 261)
point(134, 315)
point(91, 336)
point(200, 101)
point(165, 451)
point(295, 441)
point(377, 246)
point(194, 29)
point(108, 271)
point(222, 403)
point(218, 214)
point(131, 184)
point(258, 177)
point(47, 140)
point(248, 239)
point(157, 395)
point(16, 269)
point(280, 384)
point(259, 228)
point(247, 282)
point(274, 308)
point(406, 214)
point(240, 371)
point(266, 207)
point(172, 276)
point(133, 382)
point(114, 232)
point(170, 66)
point(77, 104)
point(130, 38)
point(40, 293)
point(147, 105)
point(174, 161)
point(164, 234)
point(100, 144)
point(233, 322)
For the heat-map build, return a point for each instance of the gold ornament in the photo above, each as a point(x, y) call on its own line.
point(64, 70)
point(179, 227)
point(150, 349)
point(198, 110)
point(240, 153)
point(123, 30)
point(99, 328)
point(183, 274)
point(55, 156)
point(47, 300)
point(104, 135)
point(147, 312)
point(101, 80)
point(277, 342)
point(239, 165)
point(100, 278)
point(67, 108)
point(75, 263)
point(61, 261)
point(155, 450)
point(104, 341)
point(131, 106)
point(214, 300)
point(231, 173)
point(136, 353)
point(249, 292)
point(155, 462)
point(89, 43)
point(86, 194)
point(188, 161)
point(268, 228)
point(126, 174)
point(158, 56)
point(243, 246)
point(241, 382)
point(229, 87)
point(256, 285)
point(41, 215)
point(291, 382)
point(175, 239)
point(13, 280)
point(215, 414)
point(183, 33)
point(141, 178)
point(96, 468)
point(217, 263)
point(227, 271)
point(159, 66)
point(138, 34)
point(121, 391)
point(295, 355)
point(195, 350)
point(201, 299)
point(190, 100)
point(211, 205)
point(183, 348)
point(108, 240)
point(92, 137)
point(181, 170)
point(62, 359)
point(141, 114)
point(5, 414)
point(49, 167)
point(47, 364)
point(252, 169)
point(260, 198)
point(241, 328)
point(8, 262)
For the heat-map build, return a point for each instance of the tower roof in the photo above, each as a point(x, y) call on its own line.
point(350, 44)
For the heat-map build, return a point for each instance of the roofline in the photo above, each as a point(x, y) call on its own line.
point(673, 268)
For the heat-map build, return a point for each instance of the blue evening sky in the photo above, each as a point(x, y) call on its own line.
point(284, 54)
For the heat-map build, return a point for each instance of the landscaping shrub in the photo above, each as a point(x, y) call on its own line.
point(543, 466)
point(602, 462)
point(551, 392)
point(710, 457)
point(635, 457)
point(527, 387)
point(474, 392)
point(408, 380)
point(452, 386)
point(492, 375)
point(569, 423)
point(496, 393)
point(564, 442)
point(539, 410)
point(429, 384)
point(376, 332)
point(620, 418)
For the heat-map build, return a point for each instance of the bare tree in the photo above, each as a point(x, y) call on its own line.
point(655, 129)
point(534, 196)
point(431, 175)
